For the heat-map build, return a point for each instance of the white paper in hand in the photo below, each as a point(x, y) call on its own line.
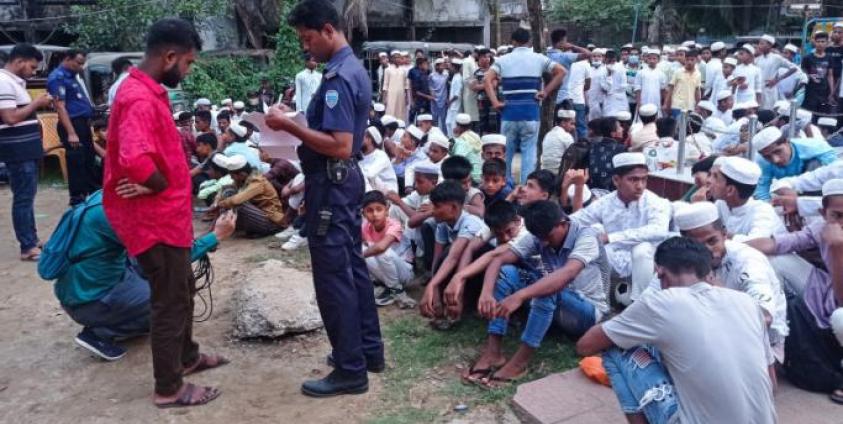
point(278, 144)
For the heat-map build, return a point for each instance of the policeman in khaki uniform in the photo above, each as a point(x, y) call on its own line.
point(334, 185)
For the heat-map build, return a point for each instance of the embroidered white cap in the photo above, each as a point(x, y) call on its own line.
point(493, 139)
point(648, 109)
point(415, 131)
point(749, 48)
point(426, 168)
point(717, 46)
point(383, 54)
point(766, 137)
point(691, 216)
point(236, 162)
point(668, 49)
point(600, 51)
point(739, 169)
point(238, 129)
point(707, 105)
point(769, 38)
point(225, 102)
point(202, 102)
point(620, 116)
point(388, 119)
point(375, 134)
point(566, 114)
point(424, 117)
point(463, 119)
point(401, 123)
point(629, 159)
point(435, 136)
point(714, 126)
point(791, 48)
point(689, 44)
point(379, 107)
point(833, 187)
point(826, 121)
point(395, 53)
point(239, 105)
point(730, 61)
point(220, 160)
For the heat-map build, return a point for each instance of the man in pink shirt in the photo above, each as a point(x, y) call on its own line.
point(146, 198)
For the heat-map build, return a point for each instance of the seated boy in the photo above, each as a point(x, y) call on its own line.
point(780, 157)
point(468, 144)
point(259, 210)
point(458, 168)
point(381, 241)
point(415, 212)
point(493, 146)
point(566, 286)
point(814, 347)
point(375, 165)
point(408, 153)
point(557, 140)
point(494, 182)
point(539, 186)
point(437, 152)
point(454, 229)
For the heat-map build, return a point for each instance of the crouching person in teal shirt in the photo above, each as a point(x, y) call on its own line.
point(780, 157)
point(104, 290)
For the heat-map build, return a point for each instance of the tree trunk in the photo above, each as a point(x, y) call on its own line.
point(258, 19)
point(534, 10)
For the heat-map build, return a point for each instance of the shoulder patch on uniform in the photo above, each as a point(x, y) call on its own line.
point(332, 97)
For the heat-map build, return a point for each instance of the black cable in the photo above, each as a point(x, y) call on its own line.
point(203, 275)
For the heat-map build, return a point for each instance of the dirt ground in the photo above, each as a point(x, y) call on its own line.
point(46, 377)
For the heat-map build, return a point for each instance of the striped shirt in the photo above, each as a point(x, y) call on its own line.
point(21, 141)
point(521, 78)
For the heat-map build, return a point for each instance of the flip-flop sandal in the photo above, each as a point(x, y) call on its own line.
point(836, 396)
point(494, 382)
point(185, 399)
point(481, 373)
point(30, 257)
point(202, 364)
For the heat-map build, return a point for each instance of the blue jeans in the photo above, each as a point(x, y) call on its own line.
point(122, 313)
point(574, 314)
point(23, 179)
point(674, 113)
point(582, 120)
point(641, 383)
point(524, 136)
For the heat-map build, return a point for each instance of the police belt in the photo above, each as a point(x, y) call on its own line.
point(336, 170)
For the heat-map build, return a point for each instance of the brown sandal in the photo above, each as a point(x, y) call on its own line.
point(33, 255)
point(186, 398)
point(205, 362)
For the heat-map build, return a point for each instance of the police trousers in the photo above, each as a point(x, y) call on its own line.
point(344, 292)
point(83, 177)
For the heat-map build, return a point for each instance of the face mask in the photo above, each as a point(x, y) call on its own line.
point(633, 60)
point(596, 63)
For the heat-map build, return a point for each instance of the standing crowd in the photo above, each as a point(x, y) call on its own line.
point(695, 306)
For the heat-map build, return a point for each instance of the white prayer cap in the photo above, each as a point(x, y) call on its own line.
point(424, 117)
point(826, 121)
point(463, 119)
point(225, 102)
point(590, 46)
point(723, 94)
point(479, 47)
point(683, 49)
point(833, 187)
point(236, 162)
point(375, 134)
point(730, 61)
point(648, 109)
point(395, 53)
point(769, 38)
point(238, 129)
point(456, 61)
point(751, 104)
point(838, 25)
point(629, 159)
point(714, 126)
point(804, 116)
point(691, 216)
point(566, 114)
point(586, 192)
point(382, 54)
point(652, 50)
point(668, 49)
point(405, 53)
point(177, 116)
point(739, 169)
point(415, 131)
point(707, 105)
point(396, 136)
point(766, 137)
point(501, 49)
point(439, 61)
point(780, 184)
point(620, 116)
point(493, 139)
point(239, 105)
point(401, 123)
point(435, 136)
point(202, 102)
point(627, 46)
point(426, 168)
point(717, 46)
point(689, 43)
point(791, 48)
point(387, 120)
point(220, 160)
point(749, 48)
point(600, 51)
point(379, 107)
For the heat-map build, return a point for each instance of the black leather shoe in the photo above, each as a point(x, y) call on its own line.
point(375, 368)
point(336, 384)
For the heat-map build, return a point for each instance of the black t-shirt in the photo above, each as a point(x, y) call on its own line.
point(835, 55)
point(817, 69)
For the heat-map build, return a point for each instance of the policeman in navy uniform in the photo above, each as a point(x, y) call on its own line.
point(334, 185)
point(74, 126)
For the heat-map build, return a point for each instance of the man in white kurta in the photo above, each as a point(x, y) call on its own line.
point(395, 86)
point(376, 167)
point(307, 83)
point(614, 88)
point(650, 82)
point(634, 220)
point(750, 85)
point(469, 96)
point(770, 63)
point(557, 141)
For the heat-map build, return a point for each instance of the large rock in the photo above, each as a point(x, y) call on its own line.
point(273, 301)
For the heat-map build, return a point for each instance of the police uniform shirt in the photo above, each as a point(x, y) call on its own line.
point(63, 85)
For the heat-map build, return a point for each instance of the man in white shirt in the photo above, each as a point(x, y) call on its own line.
point(690, 353)
point(725, 103)
point(119, 67)
point(633, 220)
point(769, 64)
point(375, 165)
point(737, 266)
point(789, 191)
point(748, 82)
point(789, 86)
point(595, 94)
point(714, 67)
point(578, 82)
point(614, 86)
point(307, 84)
point(732, 185)
point(557, 140)
point(650, 82)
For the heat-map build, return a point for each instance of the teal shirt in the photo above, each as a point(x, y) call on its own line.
point(103, 259)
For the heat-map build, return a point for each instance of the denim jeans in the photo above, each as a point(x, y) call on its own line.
point(641, 383)
point(523, 136)
point(23, 179)
point(582, 120)
point(574, 314)
point(123, 312)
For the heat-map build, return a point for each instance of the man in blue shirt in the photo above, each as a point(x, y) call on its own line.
point(565, 53)
point(104, 290)
point(74, 125)
point(779, 157)
point(419, 78)
point(521, 74)
point(331, 142)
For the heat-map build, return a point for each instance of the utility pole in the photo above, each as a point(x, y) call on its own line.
point(635, 23)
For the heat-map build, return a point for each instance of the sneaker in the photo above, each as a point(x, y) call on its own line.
point(295, 242)
point(379, 291)
point(100, 347)
point(286, 234)
point(404, 301)
point(388, 297)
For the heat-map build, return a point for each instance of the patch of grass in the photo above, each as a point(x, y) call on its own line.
point(423, 357)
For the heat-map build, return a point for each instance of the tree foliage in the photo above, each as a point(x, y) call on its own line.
point(605, 16)
point(120, 25)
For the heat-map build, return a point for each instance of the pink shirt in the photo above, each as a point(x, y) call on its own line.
point(143, 138)
point(392, 228)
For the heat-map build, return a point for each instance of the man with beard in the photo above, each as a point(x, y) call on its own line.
point(146, 176)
